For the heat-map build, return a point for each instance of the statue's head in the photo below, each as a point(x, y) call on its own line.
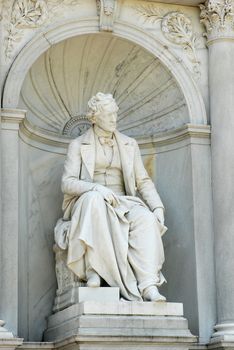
point(102, 110)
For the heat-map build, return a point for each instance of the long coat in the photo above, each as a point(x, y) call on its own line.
point(79, 170)
point(105, 242)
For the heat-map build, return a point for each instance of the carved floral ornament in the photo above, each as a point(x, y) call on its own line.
point(218, 18)
point(21, 15)
point(176, 28)
point(27, 14)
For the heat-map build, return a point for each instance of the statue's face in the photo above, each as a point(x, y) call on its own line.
point(107, 119)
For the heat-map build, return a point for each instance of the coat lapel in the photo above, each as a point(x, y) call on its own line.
point(126, 150)
point(88, 151)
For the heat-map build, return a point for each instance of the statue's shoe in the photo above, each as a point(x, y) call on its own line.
point(94, 280)
point(152, 294)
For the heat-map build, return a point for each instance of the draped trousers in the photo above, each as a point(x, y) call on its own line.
point(122, 244)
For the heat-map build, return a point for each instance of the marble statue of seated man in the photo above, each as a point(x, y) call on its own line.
point(114, 235)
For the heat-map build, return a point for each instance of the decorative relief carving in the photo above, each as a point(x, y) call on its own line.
point(65, 277)
point(76, 126)
point(27, 14)
point(177, 28)
point(106, 11)
point(150, 13)
point(218, 18)
point(67, 293)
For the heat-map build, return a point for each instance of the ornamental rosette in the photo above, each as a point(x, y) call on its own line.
point(218, 18)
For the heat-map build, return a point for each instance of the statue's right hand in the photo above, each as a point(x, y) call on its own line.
point(108, 195)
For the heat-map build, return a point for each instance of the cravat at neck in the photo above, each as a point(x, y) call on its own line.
point(102, 133)
point(106, 141)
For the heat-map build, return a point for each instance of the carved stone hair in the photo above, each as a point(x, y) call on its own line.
point(98, 103)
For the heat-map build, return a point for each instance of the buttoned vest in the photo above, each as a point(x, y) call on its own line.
point(108, 169)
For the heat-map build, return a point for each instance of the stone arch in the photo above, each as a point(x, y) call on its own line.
point(44, 40)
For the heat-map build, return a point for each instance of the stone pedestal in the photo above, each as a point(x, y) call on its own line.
point(222, 342)
point(78, 294)
point(111, 325)
point(72, 291)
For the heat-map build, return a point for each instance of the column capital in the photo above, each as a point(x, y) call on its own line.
point(218, 19)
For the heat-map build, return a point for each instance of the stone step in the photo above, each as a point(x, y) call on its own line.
point(120, 319)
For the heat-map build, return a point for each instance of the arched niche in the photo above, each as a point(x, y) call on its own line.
point(59, 84)
point(58, 32)
point(52, 78)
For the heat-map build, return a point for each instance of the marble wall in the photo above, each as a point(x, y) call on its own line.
point(179, 170)
point(161, 84)
point(40, 207)
point(184, 180)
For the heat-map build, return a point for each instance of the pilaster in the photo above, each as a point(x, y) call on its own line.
point(10, 120)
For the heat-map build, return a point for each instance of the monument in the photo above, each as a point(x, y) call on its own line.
point(113, 234)
point(110, 235)
point(163, 61)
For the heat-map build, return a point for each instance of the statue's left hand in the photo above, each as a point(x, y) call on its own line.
point(159, 214)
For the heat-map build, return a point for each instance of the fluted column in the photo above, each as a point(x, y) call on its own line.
point(217, 17)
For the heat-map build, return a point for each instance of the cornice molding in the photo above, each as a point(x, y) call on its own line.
point(186, 132)
point(11, 118)
point(44, 140)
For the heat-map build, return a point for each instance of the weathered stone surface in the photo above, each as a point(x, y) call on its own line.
point(182, 161)
point(123, 321)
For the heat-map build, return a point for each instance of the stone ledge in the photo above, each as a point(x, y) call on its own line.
point(121, 308)
point(222, 342)
point(131, 308)
point(125, 343)
point(10, 343)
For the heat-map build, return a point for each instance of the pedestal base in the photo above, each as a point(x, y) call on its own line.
point(78, 294)
point(114, 325)
point(223, 329)
point(223, 337)
point(222, 342)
